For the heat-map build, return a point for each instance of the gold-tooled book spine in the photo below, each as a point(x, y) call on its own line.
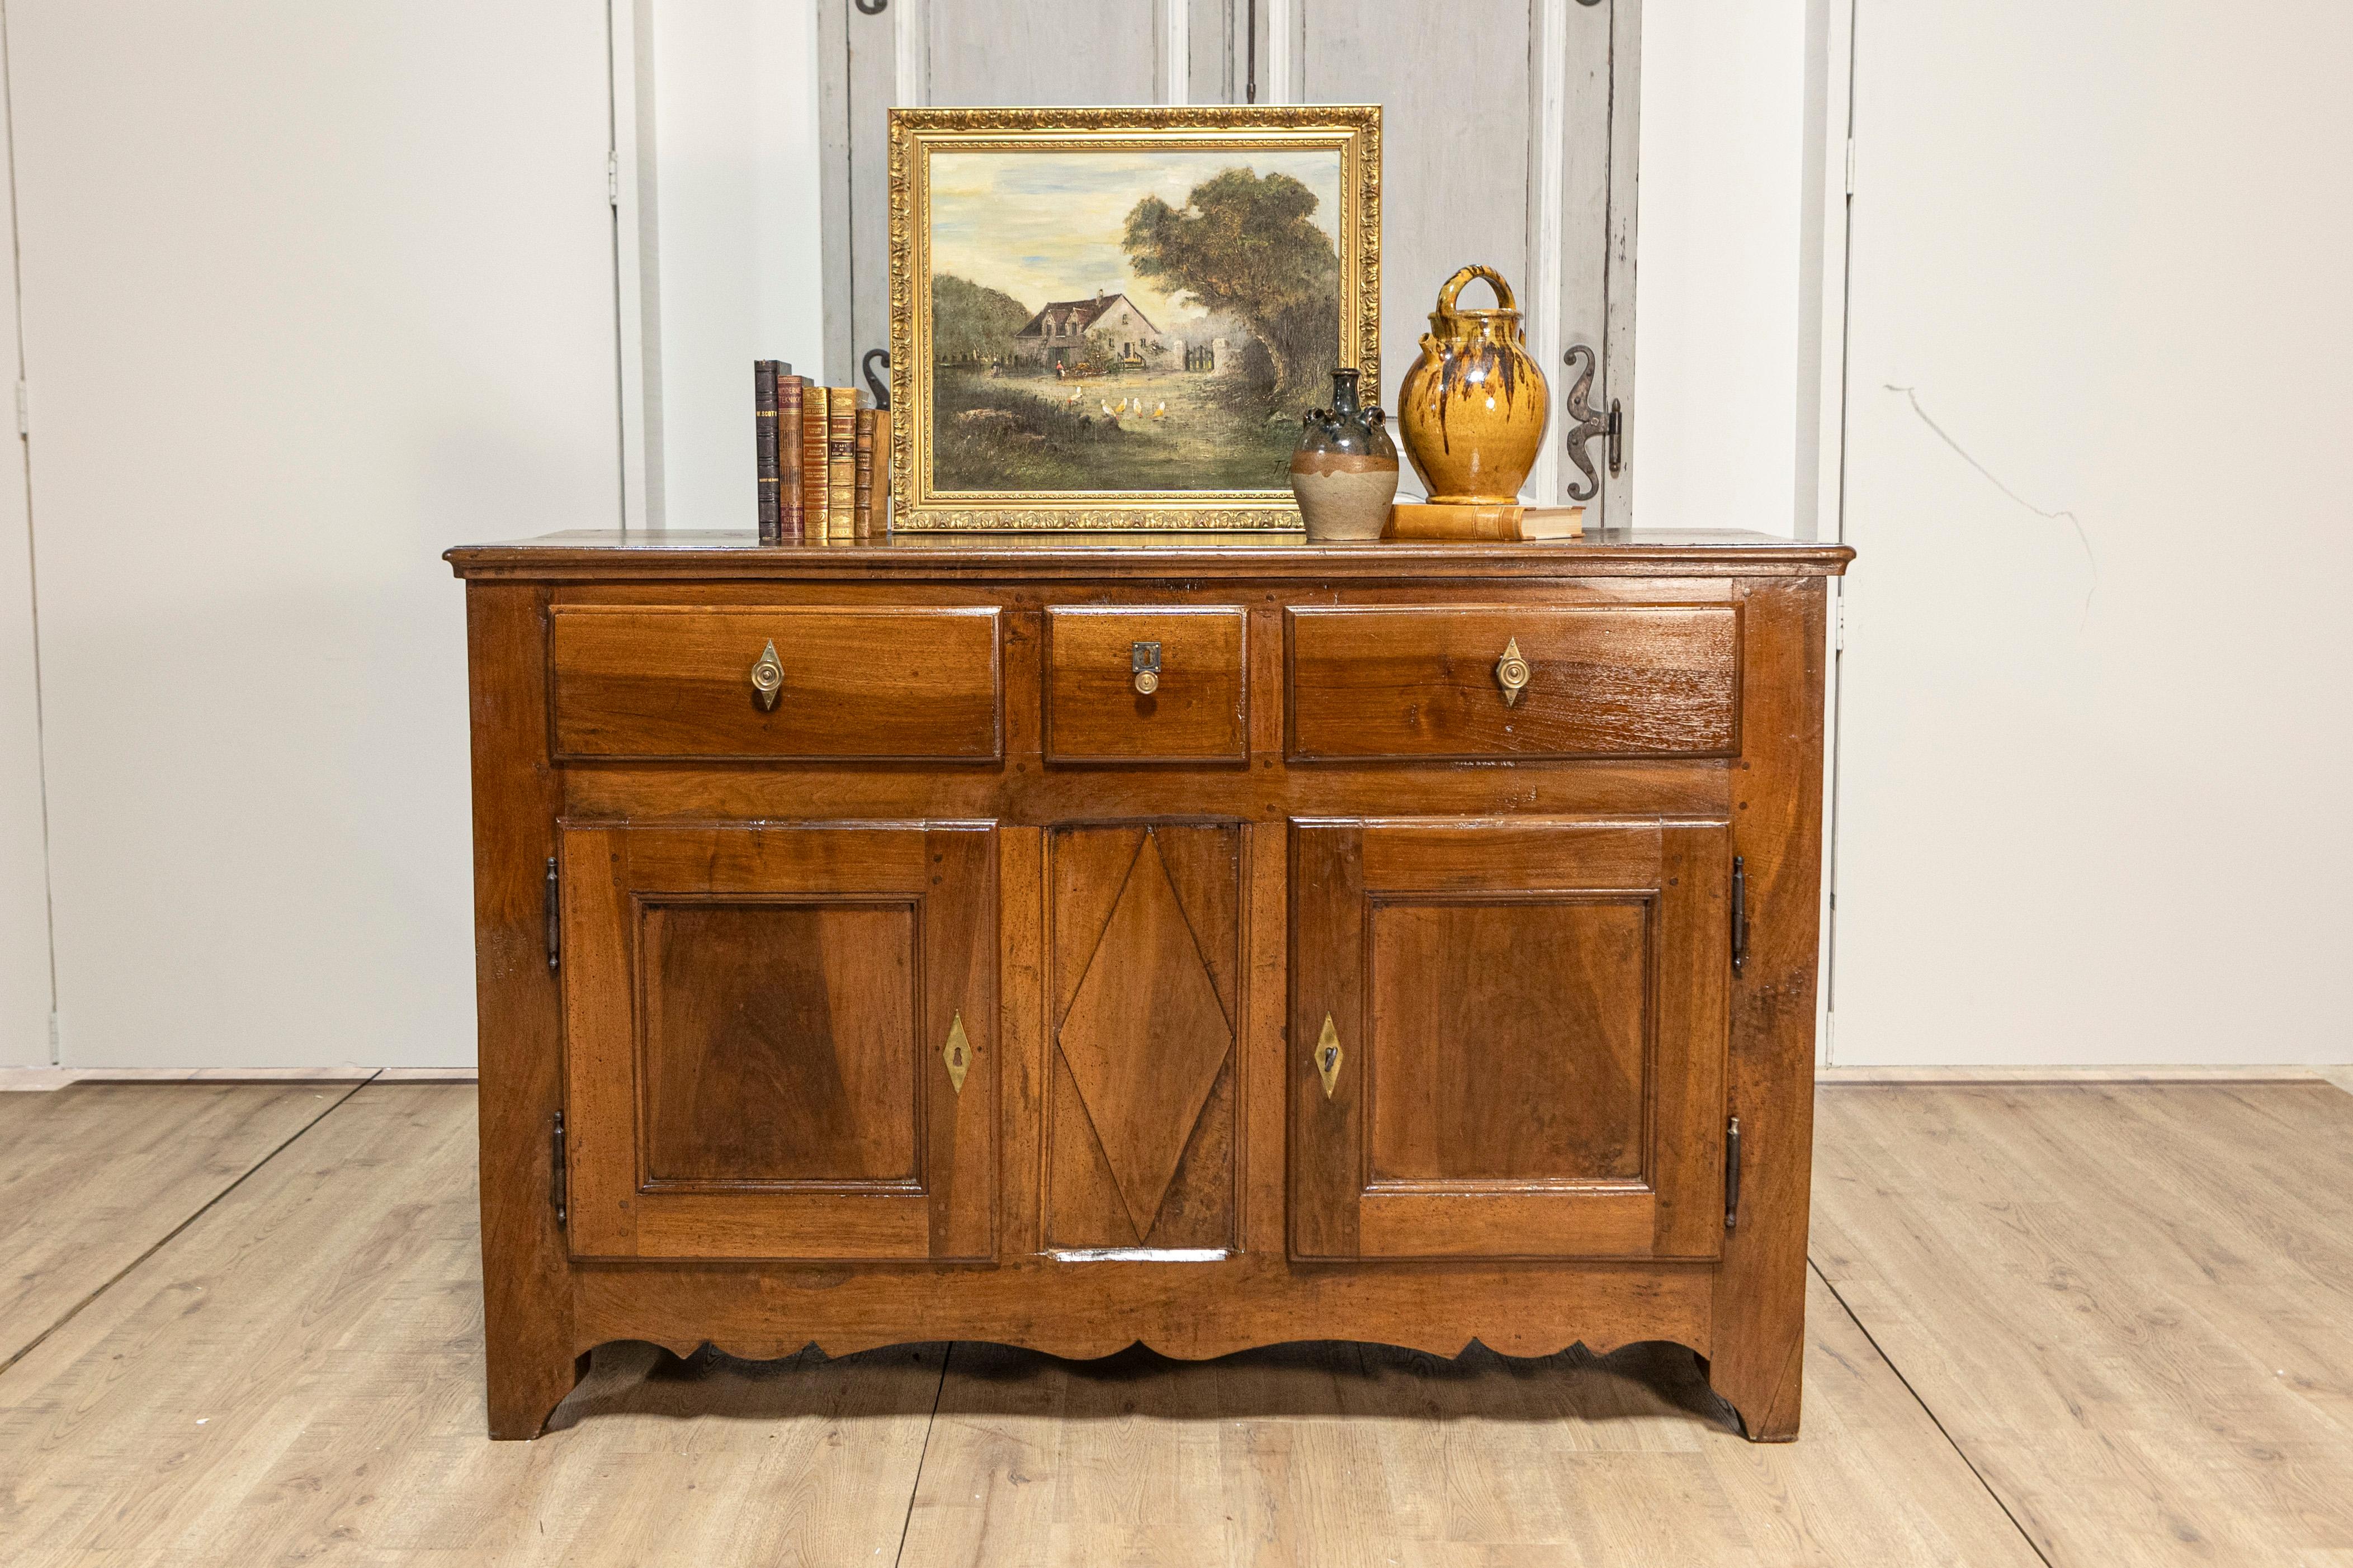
point(882, 471)
point(813, 467)
point(863, 519)
point(841, 465)
point(791, 521)
point(764, 446)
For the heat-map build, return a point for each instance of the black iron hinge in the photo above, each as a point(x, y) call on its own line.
point(1739, 913)
point(1732, 1174)
point(554, 912)
point(1617, 436)
point(556, 1194)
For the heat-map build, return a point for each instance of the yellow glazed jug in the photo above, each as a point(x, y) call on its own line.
point(1472, 409)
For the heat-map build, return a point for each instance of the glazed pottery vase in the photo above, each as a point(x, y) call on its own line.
point(1345, 471)
point(1473, 407)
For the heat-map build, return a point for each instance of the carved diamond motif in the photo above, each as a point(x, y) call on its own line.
point(1145, 1036)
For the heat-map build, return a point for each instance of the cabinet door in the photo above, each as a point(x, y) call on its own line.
point(1508, 1039)
point(780, 1041)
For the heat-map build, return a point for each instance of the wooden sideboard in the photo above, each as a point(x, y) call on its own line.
point(866, 955)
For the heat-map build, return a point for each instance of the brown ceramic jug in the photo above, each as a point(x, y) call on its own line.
point(1472, 409)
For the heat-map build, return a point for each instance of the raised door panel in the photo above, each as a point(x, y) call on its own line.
point(1146, 964)
point(1510, 1038)
point(780, 1041)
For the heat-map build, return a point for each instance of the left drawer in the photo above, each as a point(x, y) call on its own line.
point(805, 683)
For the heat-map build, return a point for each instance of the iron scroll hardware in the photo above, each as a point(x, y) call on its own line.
point(558, 1197)
point(552, 907)
point(876, 384)
point(876, 8)
point(1732, 1174)
point(1739, 913)
point(1585, 426)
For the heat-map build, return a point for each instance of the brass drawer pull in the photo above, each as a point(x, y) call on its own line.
point(1143, 658)
point(767, 678)
point(1512, 673)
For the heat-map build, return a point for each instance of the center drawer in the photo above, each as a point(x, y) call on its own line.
point(758, 683)
point(1146, 685)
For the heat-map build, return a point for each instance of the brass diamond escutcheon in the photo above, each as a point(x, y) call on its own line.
point(1329, 1055)
point(1146, 1038)
point(957, 1053)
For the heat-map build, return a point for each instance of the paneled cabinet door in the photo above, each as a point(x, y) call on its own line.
point(1508, 1039)
point(780, 1041)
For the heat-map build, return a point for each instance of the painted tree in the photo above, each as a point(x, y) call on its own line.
point(1242, 245)
point(970, 321)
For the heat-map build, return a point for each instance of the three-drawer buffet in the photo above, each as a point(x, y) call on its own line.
point(1068, 942)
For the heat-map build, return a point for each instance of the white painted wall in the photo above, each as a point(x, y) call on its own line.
point(23, 893)
point(1719, 264)
point(733, 106)
point(311, 291)
point(2093, 790)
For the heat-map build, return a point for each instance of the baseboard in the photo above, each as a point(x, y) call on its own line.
point(59, 1078)
point(2159, 1073)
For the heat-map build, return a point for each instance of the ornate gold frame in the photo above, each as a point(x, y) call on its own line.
point(1353, 130)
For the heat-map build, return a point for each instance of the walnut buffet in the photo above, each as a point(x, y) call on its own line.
point(1068, 944)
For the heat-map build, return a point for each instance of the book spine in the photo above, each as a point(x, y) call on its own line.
point(841, 465)
point(764, 432)
point(863, 519)
point(882, 472)
point(792, 523)
point(814, 413)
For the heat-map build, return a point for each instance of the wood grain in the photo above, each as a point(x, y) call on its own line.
point(1537, 1068)
point(296, 1377)
point(1347, 1456)
point(1623, 680)
point(677, 683)
point(2132, 1306)
point(762, 1086)
point(93, 1174)
point(1146, 939)
point(1093, 713)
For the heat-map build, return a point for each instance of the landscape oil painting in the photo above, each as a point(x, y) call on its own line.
point(1120, 325)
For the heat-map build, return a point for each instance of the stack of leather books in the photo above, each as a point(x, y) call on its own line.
point(817, 451)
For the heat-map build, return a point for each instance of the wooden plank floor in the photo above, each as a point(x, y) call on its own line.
point(2088, 1325)
point(92, 1179)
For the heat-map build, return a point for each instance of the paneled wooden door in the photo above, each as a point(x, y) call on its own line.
point(1508, 1039)
point(780, 1041)
point(1509, 132)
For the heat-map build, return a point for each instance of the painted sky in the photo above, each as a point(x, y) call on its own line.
point(1047, 226)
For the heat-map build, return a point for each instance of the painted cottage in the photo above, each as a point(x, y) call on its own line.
point(1058, 334)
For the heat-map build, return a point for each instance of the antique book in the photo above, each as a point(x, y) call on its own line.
point(763, 437)
point(841, 463)
point(862, 512)
point(814, 411)
point(879, 523)
point(791, 521)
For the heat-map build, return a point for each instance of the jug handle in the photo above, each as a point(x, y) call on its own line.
point(1446, 296)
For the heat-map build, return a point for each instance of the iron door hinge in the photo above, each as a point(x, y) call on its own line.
point(1732, 1174)
point(1617, 436)
point(555, 911)
point(1739, 913)
point(557, 1196)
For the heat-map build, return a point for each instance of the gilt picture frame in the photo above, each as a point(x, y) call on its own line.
point(1113, 319)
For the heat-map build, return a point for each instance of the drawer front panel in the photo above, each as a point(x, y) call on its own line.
point(1613, 680)
point(890, 685)
point(1094, 713)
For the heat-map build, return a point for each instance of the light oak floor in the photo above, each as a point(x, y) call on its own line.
point(2075, 1325)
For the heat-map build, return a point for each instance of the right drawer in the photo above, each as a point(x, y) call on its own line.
point(1432, 682)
